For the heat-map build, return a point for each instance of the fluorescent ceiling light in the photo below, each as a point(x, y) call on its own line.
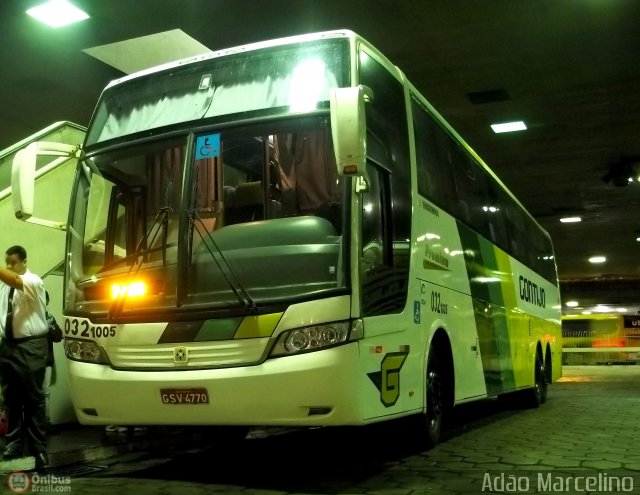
point(602, 308)
point(597, 259)
point(57, 13)
point(571, 219)
point(509, 127)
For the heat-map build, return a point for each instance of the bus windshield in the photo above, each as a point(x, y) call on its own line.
point(242, 217)
point(272, 81)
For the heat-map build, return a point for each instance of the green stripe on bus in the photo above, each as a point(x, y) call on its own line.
point(199, 330)
point(490, 289)
point(223, 329)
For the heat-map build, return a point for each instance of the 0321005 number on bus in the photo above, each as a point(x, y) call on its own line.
point(82, 328)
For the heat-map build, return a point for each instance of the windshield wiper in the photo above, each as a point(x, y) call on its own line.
point(160, 223)
point(225, 268)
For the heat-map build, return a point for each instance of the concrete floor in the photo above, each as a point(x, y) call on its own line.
point(583, 440)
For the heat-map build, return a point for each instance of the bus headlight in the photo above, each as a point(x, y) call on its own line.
point(314, 338)
point(84, 350)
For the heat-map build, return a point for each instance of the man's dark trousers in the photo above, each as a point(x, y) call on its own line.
point(22, 369)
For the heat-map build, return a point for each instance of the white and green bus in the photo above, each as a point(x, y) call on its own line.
point(287, 233)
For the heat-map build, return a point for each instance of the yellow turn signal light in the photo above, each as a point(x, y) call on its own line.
point(133, 289)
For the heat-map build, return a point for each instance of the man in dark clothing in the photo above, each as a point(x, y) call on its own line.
point(23, 357)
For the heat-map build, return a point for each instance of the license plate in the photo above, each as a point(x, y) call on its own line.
point(186, 396)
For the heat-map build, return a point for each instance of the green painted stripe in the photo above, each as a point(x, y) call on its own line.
point(199, 331)
point(218, 329)
point(180, 331)
point(247, 327)
point(475, 269)
point(490, 283)
point(257, 326)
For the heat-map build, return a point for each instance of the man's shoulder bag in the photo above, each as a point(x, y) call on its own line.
point(54, 334)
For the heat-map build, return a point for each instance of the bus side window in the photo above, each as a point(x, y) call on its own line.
point(373, 241)
point(382, 281)
point(387, 127)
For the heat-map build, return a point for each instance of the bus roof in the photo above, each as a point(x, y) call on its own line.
point(301, 38)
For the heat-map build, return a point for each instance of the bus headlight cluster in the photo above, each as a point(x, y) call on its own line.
point(84, 350)
point(314, 338)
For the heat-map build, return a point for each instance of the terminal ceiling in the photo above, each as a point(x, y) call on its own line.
point(570, 69)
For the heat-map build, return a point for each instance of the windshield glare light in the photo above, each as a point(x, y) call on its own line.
point(311, 338)
point(306, 85)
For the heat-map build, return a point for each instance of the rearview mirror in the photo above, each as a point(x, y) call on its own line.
point(349, 129)
point(23, 177)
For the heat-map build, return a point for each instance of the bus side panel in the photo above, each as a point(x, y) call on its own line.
point(517, 326)
point(541, 300)
point(443, 296)
point(516, 309)
point(390, 366)
point(501, 333)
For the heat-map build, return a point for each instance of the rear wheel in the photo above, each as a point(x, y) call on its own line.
point(538, 394)
point(544, 382)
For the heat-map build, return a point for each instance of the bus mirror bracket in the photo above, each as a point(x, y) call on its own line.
point(24, 175)
point(349, 129)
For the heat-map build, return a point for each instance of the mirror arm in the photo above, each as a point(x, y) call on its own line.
point(23, 177)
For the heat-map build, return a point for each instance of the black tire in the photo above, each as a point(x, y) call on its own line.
point(544, 385)
point(433, 418)
point(538, 393)
point(548, 372)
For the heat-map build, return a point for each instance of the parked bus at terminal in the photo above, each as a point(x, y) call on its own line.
point(288, 233)
point(600, 338)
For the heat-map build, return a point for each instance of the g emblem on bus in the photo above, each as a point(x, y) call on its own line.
point(387, 380)
point(180, 354)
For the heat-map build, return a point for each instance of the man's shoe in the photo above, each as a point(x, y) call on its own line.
point(12, 453)
point(42, 461)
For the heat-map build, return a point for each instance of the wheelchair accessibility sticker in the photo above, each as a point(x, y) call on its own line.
point(207, 146)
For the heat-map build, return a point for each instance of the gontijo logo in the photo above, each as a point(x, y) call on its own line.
point(531, 292)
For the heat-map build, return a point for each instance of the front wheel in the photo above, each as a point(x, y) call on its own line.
point(435, 388)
